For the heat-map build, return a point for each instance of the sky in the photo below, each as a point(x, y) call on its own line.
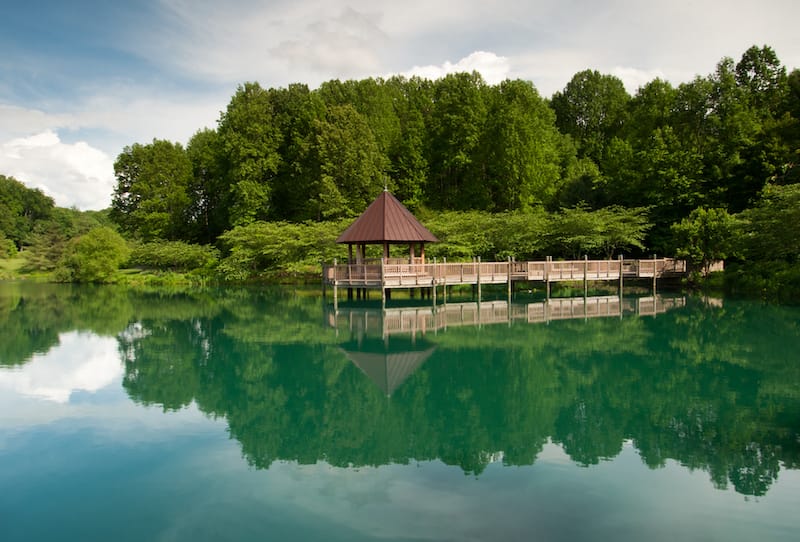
point(80, 80)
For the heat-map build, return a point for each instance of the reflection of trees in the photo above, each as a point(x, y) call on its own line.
point(32, 316)
point(691, 385)
point(713, 388)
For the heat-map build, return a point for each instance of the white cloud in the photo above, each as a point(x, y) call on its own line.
point(633, 78)
point(81, 362)
point(20, 121)
point(493, 68)
point(72, 174)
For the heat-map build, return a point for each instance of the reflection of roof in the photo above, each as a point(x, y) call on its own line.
point(386, 220)
point(388, 370)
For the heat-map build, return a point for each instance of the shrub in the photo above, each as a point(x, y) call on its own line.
point(93, 257)
point(173, 256)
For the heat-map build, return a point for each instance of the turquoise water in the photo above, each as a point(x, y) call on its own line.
point(248, 414)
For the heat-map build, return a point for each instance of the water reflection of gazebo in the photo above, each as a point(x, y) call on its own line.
point(388, 365)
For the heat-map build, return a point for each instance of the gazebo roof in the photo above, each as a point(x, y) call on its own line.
point(386, 220)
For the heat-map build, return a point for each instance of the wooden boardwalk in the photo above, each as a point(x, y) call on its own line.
point(426, 319)
point(389, 274)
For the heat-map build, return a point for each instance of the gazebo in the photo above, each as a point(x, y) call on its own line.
point(386, 222)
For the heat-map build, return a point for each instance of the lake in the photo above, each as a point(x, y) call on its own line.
point(255, 414)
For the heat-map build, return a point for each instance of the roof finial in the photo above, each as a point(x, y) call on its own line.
point(386, 184)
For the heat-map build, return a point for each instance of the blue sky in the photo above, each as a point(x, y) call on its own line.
point(79, 80)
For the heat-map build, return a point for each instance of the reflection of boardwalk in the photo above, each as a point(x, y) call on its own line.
point(384, 322)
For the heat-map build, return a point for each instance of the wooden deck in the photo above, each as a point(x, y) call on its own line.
point(421, 320)
point(413, 275)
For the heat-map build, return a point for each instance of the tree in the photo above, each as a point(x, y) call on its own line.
point(771, 225)
point(622, 228)
point(351, 166)
point(763, 77)
point(93, 257)
point(250, 140)
point(592, 109)
point(150, 200)
point(520, 147)
point(208, 190)
point(456, 124)
point(296, 112)
point(20, 209)
point(408, 162)
point(706, 236)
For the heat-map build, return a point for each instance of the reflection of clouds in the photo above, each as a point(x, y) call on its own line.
point(81, 362)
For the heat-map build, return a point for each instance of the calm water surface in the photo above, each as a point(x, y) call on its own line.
point(263, 415)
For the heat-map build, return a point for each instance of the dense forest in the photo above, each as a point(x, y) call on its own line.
point(705, 170)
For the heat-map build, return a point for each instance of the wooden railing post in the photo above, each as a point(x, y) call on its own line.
point(547, 261)
point(479, 279)
point(509, 284)
point(585, 275)
point(433, 280)
point(444, 285)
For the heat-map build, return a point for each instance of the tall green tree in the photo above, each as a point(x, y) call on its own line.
point(351, 166)
point(250, 140)
point(408, 160)
point(592, 109)
point(456, 125)
point(296, 111)
point(208, 190)
point(151, 198)
point(520, 148)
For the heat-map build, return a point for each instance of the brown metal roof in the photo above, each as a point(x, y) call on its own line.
point(386, 220)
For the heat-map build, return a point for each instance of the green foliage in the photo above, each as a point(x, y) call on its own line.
point(7, 247)
point(520, 148)
point(536, 233)
point(250, 141)
point(592, 109)
point(51, 236)
point(773, 281)
point(173, 256)
point(455, 127)
point(771, 225)
point(93, 257)
point(207, 214)
point(151, 200)
point(351, 166)
point(20, 209)
point(706, 236)
point(279, 247)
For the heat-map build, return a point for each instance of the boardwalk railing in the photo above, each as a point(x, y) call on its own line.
point(398, 274)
